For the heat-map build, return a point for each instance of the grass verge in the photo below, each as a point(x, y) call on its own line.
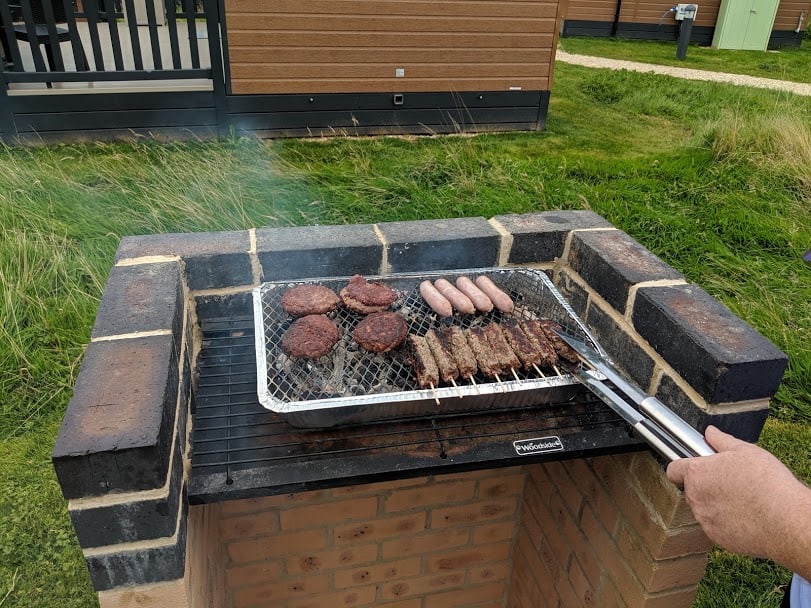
point(792, 64)
point(710, 177)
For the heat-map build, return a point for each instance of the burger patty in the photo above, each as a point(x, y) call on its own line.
point(365, 298)
point(309, 300)
point(380, 332)
point(310, 337)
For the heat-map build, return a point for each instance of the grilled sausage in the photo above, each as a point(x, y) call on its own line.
point(476, 295)
point(457, 299)
point(500, 299)
point(438, 303)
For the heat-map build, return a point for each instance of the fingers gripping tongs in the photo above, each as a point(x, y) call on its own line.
point(651, 419)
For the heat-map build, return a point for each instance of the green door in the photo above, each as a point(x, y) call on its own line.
point(744, 24)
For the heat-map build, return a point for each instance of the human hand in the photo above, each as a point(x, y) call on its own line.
point(747, 501)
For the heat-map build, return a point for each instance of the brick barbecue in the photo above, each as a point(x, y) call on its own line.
point(414, 514)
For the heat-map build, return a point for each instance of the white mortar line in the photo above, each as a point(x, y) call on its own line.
point(224, 291)
point(660, 365)
point(385, 267)
point(629, 303)
point(118, 498)
point(148, 259)
point(134, 334)
point(505, 244)
point(256, 267)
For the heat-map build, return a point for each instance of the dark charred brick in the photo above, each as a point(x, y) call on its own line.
point(132, 521)
point(212, 259)
point(118, 428)
point(224, 306)
point(722, 357)
point(611, 262)
point(318, 251)
point(573, 292)
point(623, 348)
point(140, 566)
point(541, 237)
point(441, 244)
point(745, 425)
point(145, 297)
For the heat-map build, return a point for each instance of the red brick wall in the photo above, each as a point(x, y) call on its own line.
point(608, 531)
point(430, 542)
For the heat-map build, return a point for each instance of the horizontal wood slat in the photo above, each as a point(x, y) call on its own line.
point(399, 57)
point(400, 85)
point(788, 15)
point(377, 40)
point(479, 8)
point(311, 24)
point(304, 71)
point(344, 46)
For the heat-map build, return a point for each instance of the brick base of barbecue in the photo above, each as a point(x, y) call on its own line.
point(601, 531)
point(596, 531)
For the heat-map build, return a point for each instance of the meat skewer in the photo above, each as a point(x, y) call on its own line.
point(536, 335)
point(422, 360)
point(507, 360)
point(550, 328)
point(477, 340)
point(522, 346)
point(464, 357)
point(443, 357)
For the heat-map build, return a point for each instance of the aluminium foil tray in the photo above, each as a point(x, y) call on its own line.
point(352, 386)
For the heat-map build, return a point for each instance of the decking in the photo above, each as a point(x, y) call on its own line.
point(128, 59)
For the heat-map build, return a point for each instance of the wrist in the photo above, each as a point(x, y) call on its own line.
point(793, 544)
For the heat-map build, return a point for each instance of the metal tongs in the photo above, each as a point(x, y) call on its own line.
point(651, 419)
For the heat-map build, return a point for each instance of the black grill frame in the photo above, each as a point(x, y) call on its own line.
point(240, 449)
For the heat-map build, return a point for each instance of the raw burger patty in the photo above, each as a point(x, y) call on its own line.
point(309, 300)
point(310, 337)
point(380, 332)
point(364, 297)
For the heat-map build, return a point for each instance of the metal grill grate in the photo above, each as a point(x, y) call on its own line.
point(240, 449)
point(351, 384)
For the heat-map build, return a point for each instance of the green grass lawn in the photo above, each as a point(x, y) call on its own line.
point(712, 178)
point(787, 64)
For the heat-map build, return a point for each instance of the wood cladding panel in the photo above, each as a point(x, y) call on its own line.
point(788, 15)
point(399, 85)
point(591, 10)
point(641, 11)
point(344, 46)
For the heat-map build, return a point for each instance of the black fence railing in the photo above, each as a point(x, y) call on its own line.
point(49, 41)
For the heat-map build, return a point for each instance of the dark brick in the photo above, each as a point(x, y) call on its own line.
point(441, 244)
point(540, 237)
point(212, 259)
point(573, 292)
point(318, 251)
point(623, 348)
point(717, 353)
point(132, 521)
point(611, 262)
point(145, 297)
point(745, 425)
point(140, 566)
point(220, 306)
point(118, 427)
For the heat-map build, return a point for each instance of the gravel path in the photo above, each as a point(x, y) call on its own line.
point(799, 88)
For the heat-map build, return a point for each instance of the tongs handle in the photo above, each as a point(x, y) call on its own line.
point(669, 449)
point(683, 432)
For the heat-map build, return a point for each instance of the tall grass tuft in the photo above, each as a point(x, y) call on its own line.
point(778, 143)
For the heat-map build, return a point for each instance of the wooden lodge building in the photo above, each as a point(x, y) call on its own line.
point(777, 23)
